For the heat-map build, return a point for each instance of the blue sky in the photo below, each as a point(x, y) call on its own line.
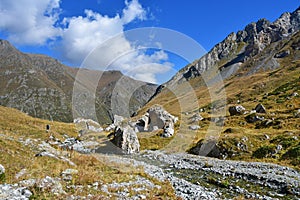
point(68, 31)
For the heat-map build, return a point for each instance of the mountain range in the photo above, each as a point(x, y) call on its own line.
point(242, 98)
point(42, 87)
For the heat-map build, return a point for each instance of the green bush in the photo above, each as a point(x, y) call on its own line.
point(293, 153)
point(264, 151)
point(285, 141)
point(2, 178)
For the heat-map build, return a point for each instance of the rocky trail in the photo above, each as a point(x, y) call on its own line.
point(196, 177)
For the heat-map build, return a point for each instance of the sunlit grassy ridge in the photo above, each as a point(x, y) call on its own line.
point(276, 89)
point(20, 136)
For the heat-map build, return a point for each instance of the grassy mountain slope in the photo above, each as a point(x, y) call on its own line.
point(43, 87)
point(255, 81)
point(20, 138)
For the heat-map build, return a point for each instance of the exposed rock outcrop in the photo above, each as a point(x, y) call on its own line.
point(238, 47)
point(88, 125)
point(157, 118)
point(117, 122)
point(126, 139)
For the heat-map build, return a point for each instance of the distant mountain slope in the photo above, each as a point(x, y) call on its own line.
point(42, 87)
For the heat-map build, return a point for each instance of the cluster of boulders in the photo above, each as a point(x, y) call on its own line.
point(157, 118)
point(252, 116)
point(87, 125)
point(124, 133)
point(66, 148)
point(240, 110)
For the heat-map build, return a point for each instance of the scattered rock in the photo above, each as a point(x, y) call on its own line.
point(282, 54)
point(236, 110)
point(21, 173)
point(2, 173)
point(126, 139)
point(14, 192)
point(228, 130)
point(245, 139)
point(196, 118)
point(67, 175)
point(50, 184)
point(2, 169)
point(252, 118)
point(207, 148)
point(295, 94)
point(219, 121)
point(88, 125)
point(297, 113)
point(194, 127)
point(260, 108)
point(268, 123)
point(143, 123)
point(267, 137)
point(158, 116)
point(242, 146)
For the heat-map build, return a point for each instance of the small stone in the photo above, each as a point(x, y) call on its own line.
point(141, 196)
point(67, 175)
point(2, 169)
point(267, 137)
point(194, 127)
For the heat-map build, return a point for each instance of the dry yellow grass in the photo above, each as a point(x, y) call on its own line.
point(15, 155)
point(272, 88)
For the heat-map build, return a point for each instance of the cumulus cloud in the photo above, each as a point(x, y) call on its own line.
point(36, 22)
point(29, 22)
point(83, 33)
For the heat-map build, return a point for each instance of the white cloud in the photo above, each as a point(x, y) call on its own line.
point(84, 33)
point(29, 22)
point(36, 22)
point(142, 66)
point(132, 11)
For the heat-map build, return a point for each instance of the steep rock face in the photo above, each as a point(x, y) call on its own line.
point(239, 47)
point(42, 87)
point(126, 139)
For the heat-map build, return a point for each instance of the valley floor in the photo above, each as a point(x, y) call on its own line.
point(197, 177)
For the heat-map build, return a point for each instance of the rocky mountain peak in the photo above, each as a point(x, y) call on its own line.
point(239, 47)
point(6, 47)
